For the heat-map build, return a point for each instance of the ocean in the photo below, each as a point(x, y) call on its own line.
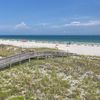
point(56, 38)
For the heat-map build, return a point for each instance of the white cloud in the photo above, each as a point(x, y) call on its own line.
point(74, 24)
point(22, 26)
point(89, 23)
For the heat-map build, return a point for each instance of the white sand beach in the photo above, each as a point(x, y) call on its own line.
point(83, 49)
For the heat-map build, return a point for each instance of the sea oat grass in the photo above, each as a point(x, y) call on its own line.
point(68, 78)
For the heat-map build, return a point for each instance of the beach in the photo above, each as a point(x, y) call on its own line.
point(82, 49)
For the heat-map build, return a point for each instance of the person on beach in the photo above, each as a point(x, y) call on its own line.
point(56, 46)
point(68, 44)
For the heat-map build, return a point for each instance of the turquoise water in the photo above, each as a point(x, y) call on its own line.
point(56, 38)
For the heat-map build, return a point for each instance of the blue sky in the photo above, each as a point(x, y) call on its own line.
point(70, 17)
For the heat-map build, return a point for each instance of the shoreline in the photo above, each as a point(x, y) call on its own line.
point(81, 49)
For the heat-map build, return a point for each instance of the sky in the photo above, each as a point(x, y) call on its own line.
point(49, 17)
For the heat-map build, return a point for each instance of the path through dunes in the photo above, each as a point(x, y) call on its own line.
point(8, 61)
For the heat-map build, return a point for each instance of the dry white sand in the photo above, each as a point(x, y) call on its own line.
point(93, 50)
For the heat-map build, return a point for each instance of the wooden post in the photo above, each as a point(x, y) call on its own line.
point(62, 57)
point(46, 57)
point(19, 60)
point(29, 59)
point(10, 65)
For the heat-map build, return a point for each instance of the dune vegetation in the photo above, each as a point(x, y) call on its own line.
point(8, 50)
point(65, 78)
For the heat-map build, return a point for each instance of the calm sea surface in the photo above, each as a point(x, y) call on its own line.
point(55, 38)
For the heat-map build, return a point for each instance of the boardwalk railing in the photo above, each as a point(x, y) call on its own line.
point(5, 62)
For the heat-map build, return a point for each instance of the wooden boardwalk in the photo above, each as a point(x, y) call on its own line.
point(8, 61)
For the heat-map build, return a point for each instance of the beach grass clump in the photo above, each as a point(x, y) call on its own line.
point(60, 78)
point(8, 50)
